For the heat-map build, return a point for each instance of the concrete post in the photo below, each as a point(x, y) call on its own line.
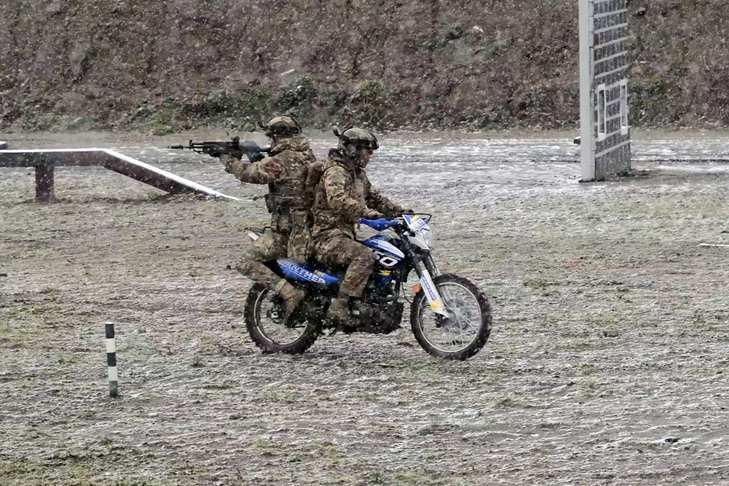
point(587, 128)
point(44, 182)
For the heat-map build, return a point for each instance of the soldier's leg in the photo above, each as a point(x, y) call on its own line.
point(344, 251)
point(359, 261)
point(268, 247)
point(359, 270)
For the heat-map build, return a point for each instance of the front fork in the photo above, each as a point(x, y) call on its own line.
point(430, 265)
point(424, 269)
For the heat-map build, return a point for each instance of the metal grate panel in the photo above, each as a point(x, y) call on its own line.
point(604, 129)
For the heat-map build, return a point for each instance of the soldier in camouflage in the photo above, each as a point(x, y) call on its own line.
point(285, 172)
point(342, 196)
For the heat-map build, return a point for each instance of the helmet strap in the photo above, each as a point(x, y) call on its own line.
point(351, 151)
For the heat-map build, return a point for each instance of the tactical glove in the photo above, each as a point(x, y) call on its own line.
point(226, 160)
point(372, 214)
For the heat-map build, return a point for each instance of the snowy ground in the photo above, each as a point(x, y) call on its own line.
point(606, 364)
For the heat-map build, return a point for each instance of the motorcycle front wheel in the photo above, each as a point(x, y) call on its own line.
point(468, 325)
point(265, 323)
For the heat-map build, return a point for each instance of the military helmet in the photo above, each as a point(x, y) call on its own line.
point(353, 139)
point(282, 126)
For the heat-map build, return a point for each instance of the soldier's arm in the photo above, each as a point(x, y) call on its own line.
point(338, 198)
point(264, 171)
point(378, 202)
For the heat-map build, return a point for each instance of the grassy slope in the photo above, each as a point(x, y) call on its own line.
point(178, 64)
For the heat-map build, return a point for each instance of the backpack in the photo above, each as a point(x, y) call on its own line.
point(314, 173)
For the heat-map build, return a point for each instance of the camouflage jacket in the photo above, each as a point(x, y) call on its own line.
point(284, 171)
point(343, 195)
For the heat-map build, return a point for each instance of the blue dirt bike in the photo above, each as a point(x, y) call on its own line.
point(449, 315)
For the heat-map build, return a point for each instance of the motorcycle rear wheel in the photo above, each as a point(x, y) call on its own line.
point(465, 331)
point(267, 328)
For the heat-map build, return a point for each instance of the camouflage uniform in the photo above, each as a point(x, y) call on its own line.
point(344, 194)
point(285, 173)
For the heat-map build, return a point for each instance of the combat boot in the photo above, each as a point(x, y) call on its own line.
point(291, 295)
point(339, 312)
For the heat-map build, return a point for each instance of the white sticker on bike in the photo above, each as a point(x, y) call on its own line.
point(431, 293)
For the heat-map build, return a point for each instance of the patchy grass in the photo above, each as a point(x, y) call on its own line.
point(75, 472)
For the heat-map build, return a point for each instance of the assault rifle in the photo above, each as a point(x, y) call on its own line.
point(235, 147)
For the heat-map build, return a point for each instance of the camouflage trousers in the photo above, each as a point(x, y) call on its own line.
point(299, 239)
point(269, 246)
point(337, 249)
point(289, 236)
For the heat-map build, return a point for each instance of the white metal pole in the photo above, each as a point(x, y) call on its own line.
point(587, 122)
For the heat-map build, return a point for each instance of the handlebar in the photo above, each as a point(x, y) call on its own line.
point(381, 224)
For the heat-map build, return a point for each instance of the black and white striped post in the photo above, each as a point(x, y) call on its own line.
point(111, 360)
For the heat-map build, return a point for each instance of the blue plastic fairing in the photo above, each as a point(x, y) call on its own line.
point(299, 273)
point(377, 242)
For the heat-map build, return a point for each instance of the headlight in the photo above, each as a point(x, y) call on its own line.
point(421, 235)
point(422, 238)
point(427, 236)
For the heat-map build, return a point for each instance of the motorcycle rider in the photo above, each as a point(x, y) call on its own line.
point(342, 196)
point(285, 172)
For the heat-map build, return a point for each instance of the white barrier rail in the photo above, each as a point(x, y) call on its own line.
point(45, 160)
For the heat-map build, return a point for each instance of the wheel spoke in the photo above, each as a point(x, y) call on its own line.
point(460, 328)
point(271, 323)
point(270, 331)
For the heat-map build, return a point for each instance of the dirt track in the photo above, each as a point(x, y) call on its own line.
point(606, 364)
